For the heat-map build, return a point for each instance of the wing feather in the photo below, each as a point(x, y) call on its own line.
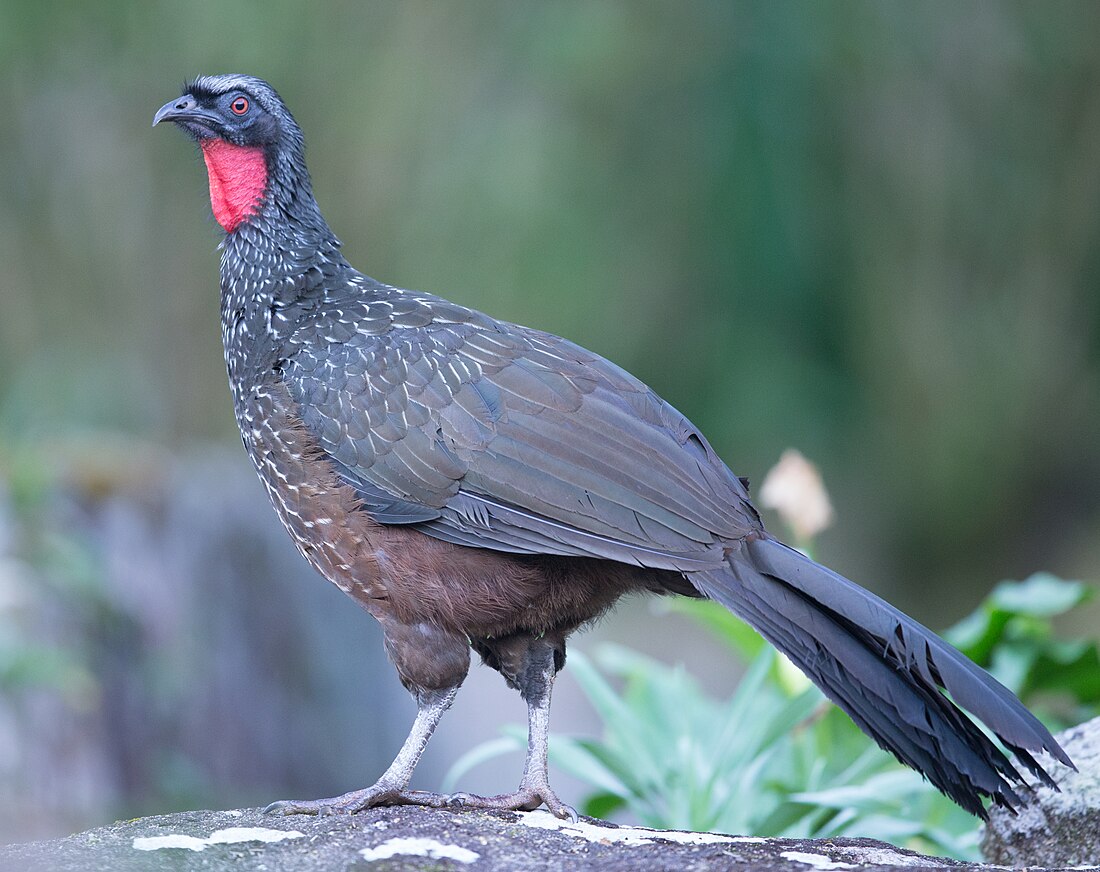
point(495, 436)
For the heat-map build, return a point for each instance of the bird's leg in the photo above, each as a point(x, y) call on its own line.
point(431, 663)
point(389, 789)
point(535, 680)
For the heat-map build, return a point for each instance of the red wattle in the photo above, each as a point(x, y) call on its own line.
point(238, 178)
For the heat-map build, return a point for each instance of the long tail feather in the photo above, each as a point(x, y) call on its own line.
point(886, 671)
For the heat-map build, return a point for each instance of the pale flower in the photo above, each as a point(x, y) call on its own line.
point(794, 489)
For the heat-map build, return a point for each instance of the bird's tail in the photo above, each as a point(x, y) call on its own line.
point(886, 671)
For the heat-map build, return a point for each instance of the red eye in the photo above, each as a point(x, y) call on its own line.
point(239, 106)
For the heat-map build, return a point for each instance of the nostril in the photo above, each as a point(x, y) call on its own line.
point(182, 104)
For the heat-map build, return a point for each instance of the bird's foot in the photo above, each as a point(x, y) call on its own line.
point(358, 800)
point(527, 798)
point(524, 799)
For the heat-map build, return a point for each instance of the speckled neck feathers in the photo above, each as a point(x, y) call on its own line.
point(273, 262)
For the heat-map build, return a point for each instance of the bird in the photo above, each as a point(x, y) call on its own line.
point(482, 487)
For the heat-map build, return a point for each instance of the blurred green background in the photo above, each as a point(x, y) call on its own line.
point(870, 230)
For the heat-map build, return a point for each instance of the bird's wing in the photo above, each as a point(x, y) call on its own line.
point(496, 436)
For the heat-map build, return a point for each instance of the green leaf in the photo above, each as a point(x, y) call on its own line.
point(1041, 595)
point(621, 722)
point(978, 633)
point(577, 757)
point(1014, 610)
point(602, 805)
point(1067, 666)
point(871, 794)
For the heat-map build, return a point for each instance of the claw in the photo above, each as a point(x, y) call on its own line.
point(558, 808)
point(565, 812)
point(290, 806)
point(461, 799)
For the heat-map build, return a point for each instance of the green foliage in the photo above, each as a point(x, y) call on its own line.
point(776, 759)
point(1012, 635)
point(770, 761)
point(674, 756)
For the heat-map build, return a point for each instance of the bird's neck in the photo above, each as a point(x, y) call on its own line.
point(274, 263)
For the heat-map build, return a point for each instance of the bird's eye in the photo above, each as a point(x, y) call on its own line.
point(239, 106)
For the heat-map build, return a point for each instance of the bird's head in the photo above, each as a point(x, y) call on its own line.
point(250, 141)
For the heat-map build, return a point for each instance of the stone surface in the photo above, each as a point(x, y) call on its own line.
point(1057, 829)
point(406, 838)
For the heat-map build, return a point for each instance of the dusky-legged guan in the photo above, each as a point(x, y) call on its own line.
point(477, 484)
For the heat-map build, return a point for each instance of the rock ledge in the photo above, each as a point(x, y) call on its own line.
point(416, 838)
